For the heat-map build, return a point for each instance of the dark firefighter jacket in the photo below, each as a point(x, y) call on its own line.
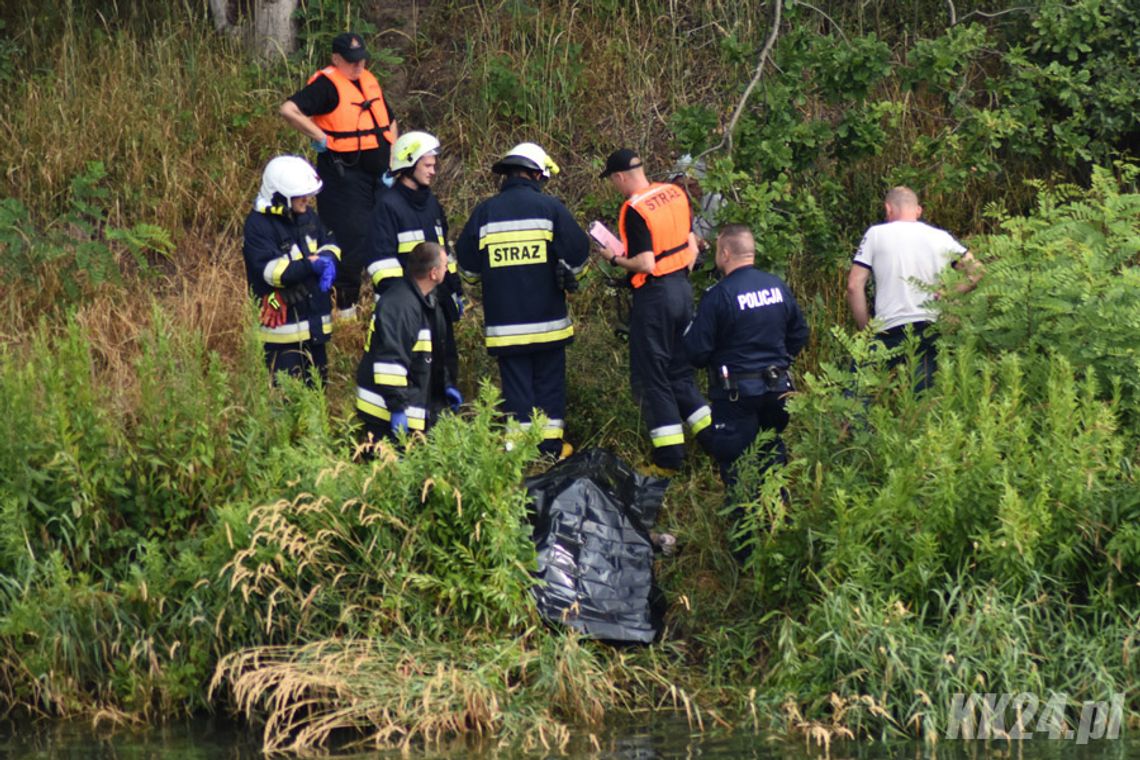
point(276, 247)
point(513, 243)
point(402, 219)
point(746, 323)
point(403, 366)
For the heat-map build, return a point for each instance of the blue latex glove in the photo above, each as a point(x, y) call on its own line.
point(458, 305)
point(399, 422)
point(454, 397)
point(329, 274)
point(388, 178)
point(321, 145)
point(320, 265)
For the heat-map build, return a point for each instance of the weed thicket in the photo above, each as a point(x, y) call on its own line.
point(164, 509)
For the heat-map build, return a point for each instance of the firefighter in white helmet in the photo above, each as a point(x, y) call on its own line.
point(409, 214)
point(290, 264)
point(527, 250)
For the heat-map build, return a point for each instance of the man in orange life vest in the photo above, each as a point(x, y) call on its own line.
point(655, 224)
point(344, 114)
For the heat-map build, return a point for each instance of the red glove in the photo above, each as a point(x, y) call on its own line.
point(273, 311)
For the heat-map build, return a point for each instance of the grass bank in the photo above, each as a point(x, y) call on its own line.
point(168, 517)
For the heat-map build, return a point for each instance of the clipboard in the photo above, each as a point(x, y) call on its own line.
point(606, 239)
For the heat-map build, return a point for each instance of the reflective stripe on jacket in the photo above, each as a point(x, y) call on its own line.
point(513, 243)
point(360, 117)
point(276, 245)
point(403, 367)
point(665, 209)
point(404, 218)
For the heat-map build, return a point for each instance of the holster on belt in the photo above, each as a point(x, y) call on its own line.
point(776, 379)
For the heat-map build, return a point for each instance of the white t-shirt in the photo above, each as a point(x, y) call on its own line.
point(904, 256)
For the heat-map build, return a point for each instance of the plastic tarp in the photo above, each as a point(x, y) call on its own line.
point(592, 514)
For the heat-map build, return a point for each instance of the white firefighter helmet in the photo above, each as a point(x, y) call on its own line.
point(526, 155)
point(290, 177)
point(410, 147)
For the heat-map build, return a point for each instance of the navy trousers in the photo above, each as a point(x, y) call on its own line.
point(661, 378)
point(345, 207)
point(297, 359)
point(736, 425)
point(537, 379)
point(926, 354)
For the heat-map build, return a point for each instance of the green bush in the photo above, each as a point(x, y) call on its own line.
point(162, 506)
point(919, 545)
point(119, 509)
point(1063, 279)
point(431, 541)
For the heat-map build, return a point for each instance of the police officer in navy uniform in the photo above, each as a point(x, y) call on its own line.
point(405, 216)
point(290, 264)
point(344, 113)
point(527, 250)
point(655, 224)
point(402, 382)
point(747, 330)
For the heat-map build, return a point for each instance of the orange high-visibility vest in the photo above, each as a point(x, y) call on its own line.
point(665, 209)
point(360, 118)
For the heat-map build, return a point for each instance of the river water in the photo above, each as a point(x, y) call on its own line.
point(667, 736)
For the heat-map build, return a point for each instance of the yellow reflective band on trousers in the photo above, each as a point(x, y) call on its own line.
point(498, 336)
point(298, 332)
point(699, 420)
point(552, 430)
point(667, 435)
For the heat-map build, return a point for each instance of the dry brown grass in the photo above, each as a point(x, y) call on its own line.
point(372, 694)
point(203, 295)
point(177, 119)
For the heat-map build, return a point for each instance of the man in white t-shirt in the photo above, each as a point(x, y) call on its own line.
point(906, 257)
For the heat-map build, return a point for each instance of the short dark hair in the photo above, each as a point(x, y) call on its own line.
point(521, 171)
point(739, 239)
point(423, 258)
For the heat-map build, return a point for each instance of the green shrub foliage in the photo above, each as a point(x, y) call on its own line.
point(956, 540)
point(163, 506)
point(431, 541)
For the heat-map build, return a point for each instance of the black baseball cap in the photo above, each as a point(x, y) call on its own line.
point(350, 47)
point(621, 160)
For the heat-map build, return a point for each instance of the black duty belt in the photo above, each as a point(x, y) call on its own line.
point(771, 375)
point(684, 271)
point(730, 381)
